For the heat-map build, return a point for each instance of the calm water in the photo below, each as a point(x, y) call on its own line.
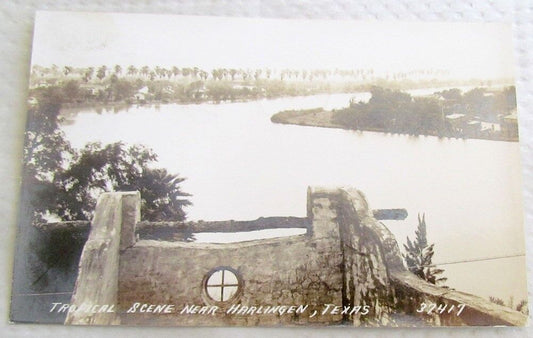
point(241, 166)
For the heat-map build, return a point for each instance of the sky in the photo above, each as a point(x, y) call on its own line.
point(465, 50)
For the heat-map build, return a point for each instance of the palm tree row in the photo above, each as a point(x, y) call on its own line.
point(227, 74)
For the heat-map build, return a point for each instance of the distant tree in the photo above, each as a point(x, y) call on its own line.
point(186, 71)
point(419, 255)
point(195, 71)
point(257, 74)
point(453, 94)
point(89, 72)
point(203, 75)
point(121, 89)
point(71, 90)
point(233, 72)
point(176, 71)
point(67, 70)
point(118, 69)
point(159, 71)
point(132, 70)
point(215, 74)
point(101, 72)
point(145, 70)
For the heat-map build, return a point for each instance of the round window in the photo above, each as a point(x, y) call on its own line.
point(222, 284)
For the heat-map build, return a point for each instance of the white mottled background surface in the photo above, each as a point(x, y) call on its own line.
point(16, 26)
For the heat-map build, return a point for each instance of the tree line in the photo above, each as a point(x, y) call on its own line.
point(398, 112)
point(113, 84)
point(224, 73)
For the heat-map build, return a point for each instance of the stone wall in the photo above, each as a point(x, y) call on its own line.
point(411, 292)
point(346, 260)
point(296, 270)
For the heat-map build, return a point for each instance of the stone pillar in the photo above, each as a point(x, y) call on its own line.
point(94, 301)
point(131, 215)
point(368, 249)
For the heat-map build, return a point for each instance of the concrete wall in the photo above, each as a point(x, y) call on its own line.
point(411, 292)
point(296, 270)
point(346, 259)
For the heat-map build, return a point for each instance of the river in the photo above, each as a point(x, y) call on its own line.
point(241, 166)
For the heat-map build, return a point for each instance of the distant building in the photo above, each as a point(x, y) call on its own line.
point(243, 87)
point(142, 94)
point(456, 121)
point(490, 129)
point(472, 128)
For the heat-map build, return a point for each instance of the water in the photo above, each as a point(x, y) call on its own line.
point(241, 166)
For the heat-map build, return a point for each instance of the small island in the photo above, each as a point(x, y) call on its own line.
point(480, 113)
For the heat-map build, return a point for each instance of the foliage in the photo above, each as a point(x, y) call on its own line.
point(520, 307)
point(65, 183)
point(398, 112)
point(419, 255)
point(61, 182)
point(497, 300)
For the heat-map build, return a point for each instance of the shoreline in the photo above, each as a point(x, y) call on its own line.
point(76, 107)
point(322, 118)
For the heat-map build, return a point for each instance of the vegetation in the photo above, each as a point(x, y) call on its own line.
point(520, 307)
point(65, 183)
point(419, 255)
point(120, 84)
point(60, 182)
point(398, 112)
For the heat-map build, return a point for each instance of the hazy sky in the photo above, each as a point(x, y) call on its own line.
point(92, 39)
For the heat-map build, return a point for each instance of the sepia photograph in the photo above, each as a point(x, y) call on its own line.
point(217, 171)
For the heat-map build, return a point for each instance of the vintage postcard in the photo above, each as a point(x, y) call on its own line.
point(210, 171)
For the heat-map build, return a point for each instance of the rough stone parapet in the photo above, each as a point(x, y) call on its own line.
point(347, 258)
point(411, 291)
point(97, 282)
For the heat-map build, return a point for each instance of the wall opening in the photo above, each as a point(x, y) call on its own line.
point(222, 284)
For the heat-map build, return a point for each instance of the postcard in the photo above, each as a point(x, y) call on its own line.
point(212, 171)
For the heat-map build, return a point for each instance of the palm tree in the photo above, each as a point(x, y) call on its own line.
point(162, 195)
point(176, 71)
point(101, 73)
point(67, 70)
point(132, 70)
point(89, 72)
point(118, 69)
point(195, 72)
point(159, 71)
point(145, 71)
point(232, 73)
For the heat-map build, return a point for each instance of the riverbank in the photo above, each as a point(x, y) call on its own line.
point(319, 117)
point(73, 108)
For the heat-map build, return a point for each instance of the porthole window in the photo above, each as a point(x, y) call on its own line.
point(222, 284)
